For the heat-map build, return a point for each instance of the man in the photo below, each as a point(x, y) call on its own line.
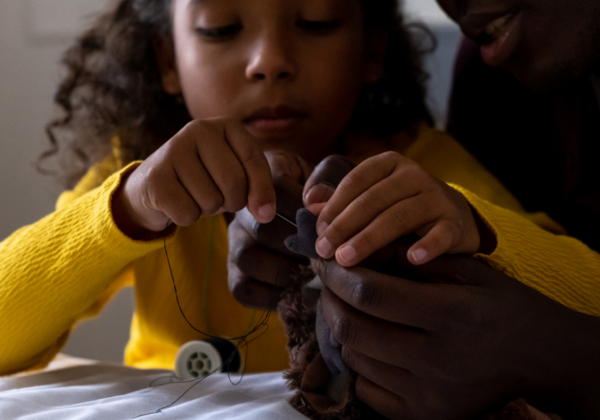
point(526, 100)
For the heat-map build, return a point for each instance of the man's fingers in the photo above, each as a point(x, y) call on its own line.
point(394, 299)
point(389, 377)
point(271, 235)
point(260, 263)
point(382, 340)
point(252, 293)
point(384, 402)
point(261, 193)
point(392, 260)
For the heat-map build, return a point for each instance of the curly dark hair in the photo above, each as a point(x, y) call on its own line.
point(112, 86)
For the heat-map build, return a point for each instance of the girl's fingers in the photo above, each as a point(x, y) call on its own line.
point(199, 182)
point(288, 165)
point(261, 193)
point(324, 179)
point(359, 180)
point(224, 168)
point(177, 205)
point(400, 219)
point(439, 240)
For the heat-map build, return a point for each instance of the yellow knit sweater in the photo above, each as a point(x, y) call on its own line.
point(68, 265)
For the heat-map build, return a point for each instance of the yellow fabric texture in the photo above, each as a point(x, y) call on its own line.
point(69, 264)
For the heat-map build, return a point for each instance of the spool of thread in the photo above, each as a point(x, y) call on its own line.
point(197, 359)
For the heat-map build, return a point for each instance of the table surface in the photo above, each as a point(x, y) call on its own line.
point(72, 388)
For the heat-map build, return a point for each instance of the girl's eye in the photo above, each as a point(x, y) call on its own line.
point(221, 33)
point(319, 27)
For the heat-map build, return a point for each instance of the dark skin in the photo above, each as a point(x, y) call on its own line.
point(545, 44)
point(449, 339)
point(259, 264)
point(454, 339)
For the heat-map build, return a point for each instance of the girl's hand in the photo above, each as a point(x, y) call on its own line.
point(209, 167)
point(389, 196)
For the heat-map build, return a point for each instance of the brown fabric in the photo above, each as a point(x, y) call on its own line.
point(308, 374)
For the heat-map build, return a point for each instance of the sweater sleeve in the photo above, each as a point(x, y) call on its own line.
point(61, 269)
point(531, 247)
point(559, 266)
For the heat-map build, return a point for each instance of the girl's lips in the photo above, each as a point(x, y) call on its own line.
point(275, 120)
point(502, 38)
point(274, 125)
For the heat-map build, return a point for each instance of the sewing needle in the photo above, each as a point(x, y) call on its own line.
point(287, 220)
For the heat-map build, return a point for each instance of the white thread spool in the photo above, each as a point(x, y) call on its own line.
point(197, 359)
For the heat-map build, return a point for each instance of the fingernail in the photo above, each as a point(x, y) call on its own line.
point(318, 193)
point(266, 212)
point(419, 255)
point(347, 254)
point(324, 248)
point(321, 227)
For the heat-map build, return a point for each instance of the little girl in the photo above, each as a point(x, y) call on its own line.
point(198, 90)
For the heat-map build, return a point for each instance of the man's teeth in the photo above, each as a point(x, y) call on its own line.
point(494, 28)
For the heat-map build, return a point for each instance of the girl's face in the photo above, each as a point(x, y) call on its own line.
point(289, 70)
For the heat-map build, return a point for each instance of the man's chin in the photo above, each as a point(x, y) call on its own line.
point(548, 78)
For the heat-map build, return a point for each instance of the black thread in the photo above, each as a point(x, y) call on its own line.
point(242, 341)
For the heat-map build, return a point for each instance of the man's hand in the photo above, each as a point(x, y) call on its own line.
point(458, 340)
point(259, 264)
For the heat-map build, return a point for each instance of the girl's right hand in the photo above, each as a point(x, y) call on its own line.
point(210, 167)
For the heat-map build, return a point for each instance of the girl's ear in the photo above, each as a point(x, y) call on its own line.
point(376, 49)
point(165, 57)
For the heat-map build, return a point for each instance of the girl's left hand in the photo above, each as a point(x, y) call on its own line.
point(389, 196)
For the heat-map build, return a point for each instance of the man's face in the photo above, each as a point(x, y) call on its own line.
point(544, 43)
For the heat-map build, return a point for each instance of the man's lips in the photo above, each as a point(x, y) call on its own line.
point(275, 119)
point(496, 33)
point(480, 25)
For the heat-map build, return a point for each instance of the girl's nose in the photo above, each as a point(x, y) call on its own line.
point(271, 59)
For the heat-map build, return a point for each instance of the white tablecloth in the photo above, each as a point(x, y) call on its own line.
point(107, 391)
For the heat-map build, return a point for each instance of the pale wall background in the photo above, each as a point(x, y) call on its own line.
point(33, 34)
